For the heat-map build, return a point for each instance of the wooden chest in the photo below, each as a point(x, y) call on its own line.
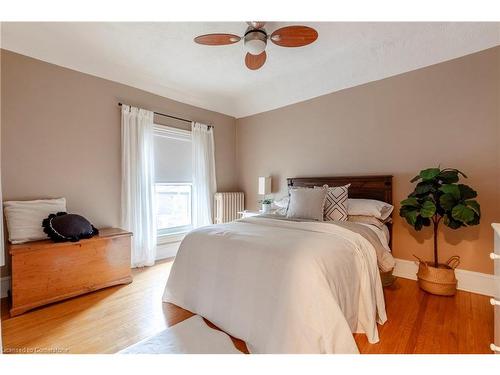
point(44, 272)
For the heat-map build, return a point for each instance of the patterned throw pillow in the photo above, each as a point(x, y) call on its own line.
point(335, 208)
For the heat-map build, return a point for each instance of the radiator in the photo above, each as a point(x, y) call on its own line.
point(227, 206)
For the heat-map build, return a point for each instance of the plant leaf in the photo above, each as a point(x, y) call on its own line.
point(474, 206)
point(428, 209)
point(449, 176)
point(458, 171)
point(451, 189)
point(405, 209)
point(447, 201)
point(412, 202)
point(450, 222)
point(424, 187)
point(474, 221)
point(418, 223)
point(429, 174)
point(462, 213)
point(411, 217)
point(466, 192)
point(446, 219)
point(415, 179)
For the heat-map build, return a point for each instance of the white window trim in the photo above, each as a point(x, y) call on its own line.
point(182, 229)
point(173, 133)
point(170, 238)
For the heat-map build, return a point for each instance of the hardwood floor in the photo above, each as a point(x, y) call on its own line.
point(109, 320)
point(421, 323)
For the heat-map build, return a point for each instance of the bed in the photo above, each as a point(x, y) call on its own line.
point(287, 286)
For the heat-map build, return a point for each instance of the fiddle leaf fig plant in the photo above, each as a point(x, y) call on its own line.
point(438, 196)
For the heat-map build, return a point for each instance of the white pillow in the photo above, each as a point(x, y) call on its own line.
point(281, 206)
point(24, 218)
point(369, 207)
point(307, 203)
point(372, 220)
point(282, 203)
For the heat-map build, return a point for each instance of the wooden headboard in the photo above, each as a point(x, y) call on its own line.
point(367, 187)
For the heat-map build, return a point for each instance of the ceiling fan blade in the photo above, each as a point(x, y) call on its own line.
point(254, 62)
point(217, 39)
point(294, 36)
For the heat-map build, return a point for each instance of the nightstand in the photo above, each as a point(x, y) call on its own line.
point(248, 213)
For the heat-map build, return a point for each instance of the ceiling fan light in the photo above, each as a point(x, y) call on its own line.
point(255, 47)
point(255, 42)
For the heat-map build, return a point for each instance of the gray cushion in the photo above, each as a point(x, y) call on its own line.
point(307, 203)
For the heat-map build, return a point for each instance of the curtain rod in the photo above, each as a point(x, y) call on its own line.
point(174, 117)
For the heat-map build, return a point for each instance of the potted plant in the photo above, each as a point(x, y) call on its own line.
point(439, 198)
point(266, 205)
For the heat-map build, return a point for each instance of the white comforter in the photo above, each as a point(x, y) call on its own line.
point(282, 287)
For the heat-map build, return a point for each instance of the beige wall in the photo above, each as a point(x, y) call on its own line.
point(61, 136)
point(446, 114)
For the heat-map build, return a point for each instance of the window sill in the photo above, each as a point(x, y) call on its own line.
point(171, 237)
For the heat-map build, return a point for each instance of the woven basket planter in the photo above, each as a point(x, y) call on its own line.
point(440, 281)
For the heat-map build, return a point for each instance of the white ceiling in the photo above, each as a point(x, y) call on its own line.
point(162, 57)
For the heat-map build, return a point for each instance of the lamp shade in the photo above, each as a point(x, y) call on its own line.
point(264, 185)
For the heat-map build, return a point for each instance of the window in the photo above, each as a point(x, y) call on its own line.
point(173, 208)
point(173, 180)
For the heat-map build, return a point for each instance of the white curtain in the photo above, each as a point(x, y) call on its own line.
point(138, 183)
point(204, 183)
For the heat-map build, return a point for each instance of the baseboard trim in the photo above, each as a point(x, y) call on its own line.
point(167, 250)
point(474, 282)
point(4, 286)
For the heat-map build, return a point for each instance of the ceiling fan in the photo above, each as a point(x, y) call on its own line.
point(255, 40)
